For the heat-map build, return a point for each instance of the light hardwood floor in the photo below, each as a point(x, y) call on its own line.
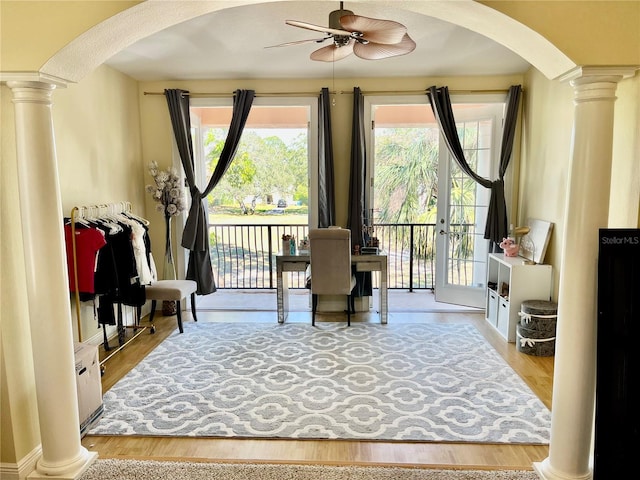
point(536, 371)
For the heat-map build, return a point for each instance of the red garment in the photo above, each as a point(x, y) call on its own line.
point(88, 242)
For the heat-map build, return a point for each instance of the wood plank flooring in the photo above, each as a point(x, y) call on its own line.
point(536, 371)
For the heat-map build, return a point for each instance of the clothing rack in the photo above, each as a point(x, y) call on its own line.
point(80, 214)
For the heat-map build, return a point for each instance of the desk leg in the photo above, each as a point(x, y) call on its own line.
point(282, 289)
point(384, 303)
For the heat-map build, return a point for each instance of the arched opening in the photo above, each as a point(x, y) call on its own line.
point(96, 45)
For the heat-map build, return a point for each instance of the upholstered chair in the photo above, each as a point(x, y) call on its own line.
point(330, 251)
point(172, 290)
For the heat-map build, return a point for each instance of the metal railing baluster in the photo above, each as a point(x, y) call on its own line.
point(243, 255)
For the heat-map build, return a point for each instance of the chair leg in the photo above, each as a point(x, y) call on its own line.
point(193, 306)
point(349, 301)
point(314, 306)
point(153, 311)
point(179, 315)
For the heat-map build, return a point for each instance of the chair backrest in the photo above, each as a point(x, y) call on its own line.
point(330, 251)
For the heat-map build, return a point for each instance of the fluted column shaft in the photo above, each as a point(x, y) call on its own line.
point(63, 456)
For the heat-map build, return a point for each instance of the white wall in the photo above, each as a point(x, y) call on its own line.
point(545, 159)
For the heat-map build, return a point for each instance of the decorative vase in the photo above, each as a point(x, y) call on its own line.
point(169, 307)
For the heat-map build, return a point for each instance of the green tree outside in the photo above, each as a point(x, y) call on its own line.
point(261, 168)
point(406, 185)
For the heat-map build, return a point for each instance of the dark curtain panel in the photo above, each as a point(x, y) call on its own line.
point(357, 201)
point(326, 197)
point(497, 223)
point(196, 231)
point(498, 227)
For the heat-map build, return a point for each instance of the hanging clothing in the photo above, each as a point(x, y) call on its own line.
point(89, 241)
point(116, 276)
point(117, 279)
point(138, 233)
point(129, 290)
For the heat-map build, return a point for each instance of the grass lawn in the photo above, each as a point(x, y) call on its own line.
point(264, 215)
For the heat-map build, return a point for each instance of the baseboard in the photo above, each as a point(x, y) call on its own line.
point(24, 466)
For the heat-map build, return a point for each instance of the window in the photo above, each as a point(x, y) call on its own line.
point(270, 187)
point(276, 158)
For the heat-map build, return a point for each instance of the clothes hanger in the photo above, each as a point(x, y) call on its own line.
point(80, 218)
point(129, 213)
point(106, 220)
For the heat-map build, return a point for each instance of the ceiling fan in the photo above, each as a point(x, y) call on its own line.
point(368, 38)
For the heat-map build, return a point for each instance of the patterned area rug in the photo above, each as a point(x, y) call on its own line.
point(404, 382)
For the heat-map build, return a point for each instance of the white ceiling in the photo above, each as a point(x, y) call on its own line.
point(230, 44)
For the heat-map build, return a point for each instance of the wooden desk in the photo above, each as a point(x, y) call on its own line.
point(298, 263)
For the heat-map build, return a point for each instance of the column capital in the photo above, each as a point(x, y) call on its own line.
point(31, 92)
point(593, 83)
point(587, 74)
point(31, 79)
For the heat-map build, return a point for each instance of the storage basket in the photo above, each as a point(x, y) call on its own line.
point(536, 330)
point(533, 342)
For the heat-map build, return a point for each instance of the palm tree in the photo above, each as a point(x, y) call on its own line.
point(406, 183)
point(406, 177)
point(406, 186)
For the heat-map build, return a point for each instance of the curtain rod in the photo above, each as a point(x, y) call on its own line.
point(342, 92)
point(264, 94)
point(422, 92)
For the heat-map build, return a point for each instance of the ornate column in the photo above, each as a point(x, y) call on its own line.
point(48, 295)
point(586, 211)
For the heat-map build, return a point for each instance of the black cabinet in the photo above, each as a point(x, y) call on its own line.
point(617, 427)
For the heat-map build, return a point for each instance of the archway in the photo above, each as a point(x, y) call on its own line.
point(91, 49)
point(96, 45)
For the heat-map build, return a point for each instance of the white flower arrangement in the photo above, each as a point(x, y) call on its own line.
point(168, 190)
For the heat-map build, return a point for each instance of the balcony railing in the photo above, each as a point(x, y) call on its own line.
point(243, 256)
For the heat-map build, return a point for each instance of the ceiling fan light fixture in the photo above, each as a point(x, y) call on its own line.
point(341, 40)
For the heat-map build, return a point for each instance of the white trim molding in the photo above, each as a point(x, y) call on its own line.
point(31, 77)
point(619, 71)
point(26, 465)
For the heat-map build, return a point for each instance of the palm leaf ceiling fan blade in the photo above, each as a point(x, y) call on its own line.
point(375, 30)
point(299, 42)
point(318, 28)
point(378, 51)
point(333, 53)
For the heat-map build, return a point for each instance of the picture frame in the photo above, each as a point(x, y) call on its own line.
point(533, 245)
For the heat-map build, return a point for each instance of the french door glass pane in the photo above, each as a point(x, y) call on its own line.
point(468, 204)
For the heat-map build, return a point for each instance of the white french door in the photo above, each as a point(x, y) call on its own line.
point(461, 259)
point(461, 207)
